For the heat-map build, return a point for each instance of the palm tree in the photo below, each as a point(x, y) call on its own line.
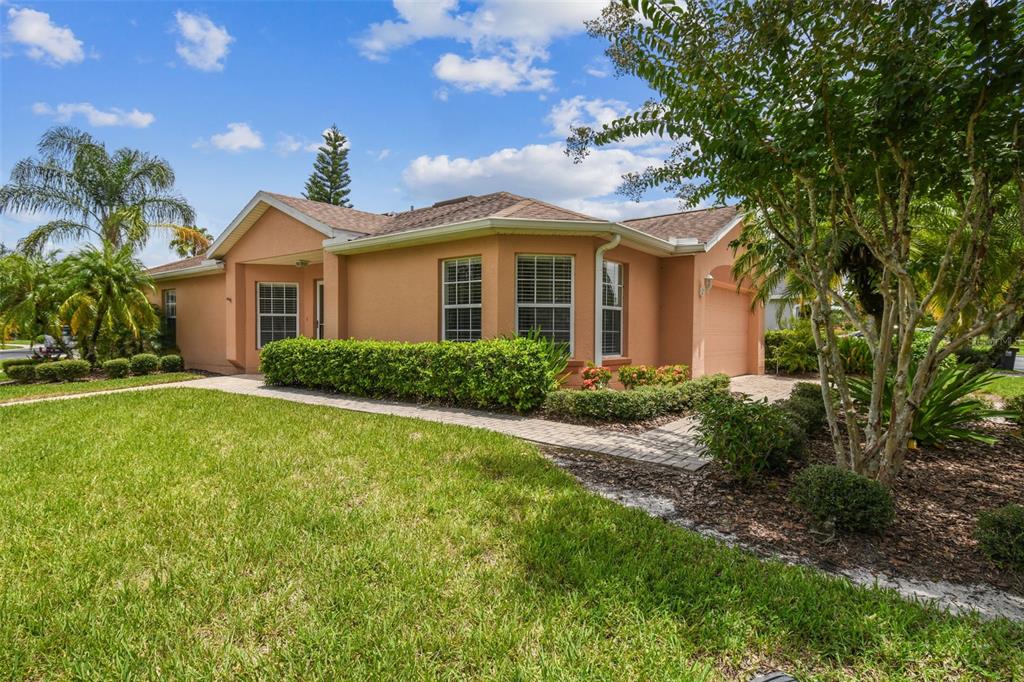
point(109, 295)
point(193, 244)
point(116, 198)
point(30, 295)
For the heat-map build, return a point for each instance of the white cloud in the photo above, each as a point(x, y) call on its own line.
point(239, 137)
point(289, 144)
point(493, 74)
point(596, 71)
point(113, 117)
point(506, 37)
point(203, 44)
point(542, 171)
point(579, 110)
point(624, 209)
point(379, 154)
point(43, 40)
point(441, 94)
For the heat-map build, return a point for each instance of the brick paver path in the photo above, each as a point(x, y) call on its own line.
point(672, 444)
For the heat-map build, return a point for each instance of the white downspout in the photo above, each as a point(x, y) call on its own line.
point(598, 291)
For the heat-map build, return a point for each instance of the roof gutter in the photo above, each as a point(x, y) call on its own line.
point(482, 226)
point(207, 267)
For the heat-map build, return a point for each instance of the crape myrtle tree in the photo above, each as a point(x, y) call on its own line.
point(835, 125)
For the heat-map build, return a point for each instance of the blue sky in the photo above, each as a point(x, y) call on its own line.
point(437, 99)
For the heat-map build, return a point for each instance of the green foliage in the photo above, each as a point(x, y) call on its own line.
point(1015, 407)
point(108, 297)
point(31, 292)
point(1000, 534)
point(749, 438)
point(791, 351)
point(856, 354)
point(639, 404)
point(62, 370)
point(13, 362)
point(843, 499)
point(947, 410)
point(513, 373)
point(23, 374)
point(117, 199)
point(330, 180)
point(633, 376)
point(171, 363)
point(117, 368)
point(144, 363)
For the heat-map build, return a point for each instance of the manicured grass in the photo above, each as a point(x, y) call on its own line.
point(185, 533)
point(1007, 386)
point(13, 343)
point(14, 392)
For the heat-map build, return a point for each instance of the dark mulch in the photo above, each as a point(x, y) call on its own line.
point(937, 497)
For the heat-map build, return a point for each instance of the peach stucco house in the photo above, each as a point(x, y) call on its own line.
point(650, 291)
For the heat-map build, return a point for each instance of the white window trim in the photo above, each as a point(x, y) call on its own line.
point(259, 315)
point(319, 303)
point(446, 306)
point(175, 292)
point(621, 308)
point(572, 296)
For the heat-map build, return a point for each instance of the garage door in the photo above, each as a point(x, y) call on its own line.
point(726, 321)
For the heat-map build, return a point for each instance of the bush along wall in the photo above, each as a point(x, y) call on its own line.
point(638, 404)
point(510, 373)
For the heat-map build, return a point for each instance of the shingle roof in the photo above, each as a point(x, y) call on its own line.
point(701, 224)
point(339, 218)
point(177, 265)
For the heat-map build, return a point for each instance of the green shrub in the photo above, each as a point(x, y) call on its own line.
point(806, 405)
point(855, 354)
point(144, 363)
point(62, 370)
point(1000, 534)
point(749, 437)
point(1015, 408)
point(842, 499)
point(23, 374)
point(639, 404)
point(116, 368)
point(633, 376)
point(947, 409)
point(595, 378)
point(791, 351)
point(14, 362)
point(514, 373)
point(171, 363)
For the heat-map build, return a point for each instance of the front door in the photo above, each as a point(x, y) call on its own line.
point(319, 309)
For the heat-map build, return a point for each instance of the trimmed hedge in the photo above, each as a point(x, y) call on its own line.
point(117, 368)
point(750, 437)
point(23, 373)
point(511, 373)
point(842, 499)
point(15, 362)
point(635, 376)
point(171, 363)
point(639, 404)
point(1000, 534)
point(144, 363)
point(62, 370)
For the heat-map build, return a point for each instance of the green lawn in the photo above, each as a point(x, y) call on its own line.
point(186, 533)
point(14, 392)
point(1007, 386)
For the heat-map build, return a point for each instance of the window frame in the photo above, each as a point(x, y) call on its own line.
point(319, 305)
point(260, 314)
point(621, 308)
point(167, 315)
point(572, 295)
point(445, 306)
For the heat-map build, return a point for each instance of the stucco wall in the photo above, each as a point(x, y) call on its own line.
point(200, 324)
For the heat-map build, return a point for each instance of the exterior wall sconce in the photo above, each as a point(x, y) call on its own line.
point(709, 279)
point(301, 263)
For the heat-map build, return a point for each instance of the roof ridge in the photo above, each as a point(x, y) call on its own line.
point(564, 209)
point(325, 203)
point(689, 210)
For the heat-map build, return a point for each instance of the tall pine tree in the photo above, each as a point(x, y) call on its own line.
point(329, 181)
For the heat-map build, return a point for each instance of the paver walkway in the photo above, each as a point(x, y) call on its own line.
point(672, 444)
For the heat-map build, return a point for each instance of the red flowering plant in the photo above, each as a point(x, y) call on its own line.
point(595, 377)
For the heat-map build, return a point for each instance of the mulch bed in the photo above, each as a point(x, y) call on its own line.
point(938, 497)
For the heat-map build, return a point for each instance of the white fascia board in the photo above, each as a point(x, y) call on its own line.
point(274, 202)
point(718, 236)
point(341, 245)
point(207, 267)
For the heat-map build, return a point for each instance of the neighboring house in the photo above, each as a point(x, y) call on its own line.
point(652, 291)
point(779, 311)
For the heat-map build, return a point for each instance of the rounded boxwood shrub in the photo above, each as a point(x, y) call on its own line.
point(23, 373)
point(144, 363)
point(843, 499)
point(1000, 534)
point(117, 368)
point(171, 363)
point(747, 437)
point(62, 370)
